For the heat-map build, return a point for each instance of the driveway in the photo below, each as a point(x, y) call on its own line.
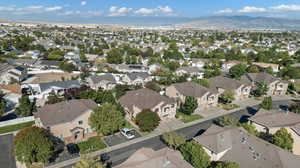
point(118, 138)
point(7, 159)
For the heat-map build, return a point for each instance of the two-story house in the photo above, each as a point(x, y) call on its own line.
point(206, 97)
point(67, 120)
point(105, 81)
point(136, 101)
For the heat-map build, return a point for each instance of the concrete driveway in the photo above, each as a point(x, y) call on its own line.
point(7, 159)
point(118, 138)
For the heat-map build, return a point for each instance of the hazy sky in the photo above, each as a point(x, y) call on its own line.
point(92, 9)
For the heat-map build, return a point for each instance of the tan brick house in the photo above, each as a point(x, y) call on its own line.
point(67, 120)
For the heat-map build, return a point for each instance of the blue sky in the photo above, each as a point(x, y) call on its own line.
point(64, 10)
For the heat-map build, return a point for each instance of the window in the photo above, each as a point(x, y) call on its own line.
point(80, 122)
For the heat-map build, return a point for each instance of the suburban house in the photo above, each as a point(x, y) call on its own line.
point(221, 83)
point(136, 101)
point(105, 81)
point(128, 68)
point(237, 145)
point(42, 90)
point(206, 97)
point(136, 78)
point(163, 158)
point(271, 121)
point(229, 64)
point(276, 85)
point(275, 67)
point(193, 71)
point(197, 62)
point(67, 120)
point(12, 74)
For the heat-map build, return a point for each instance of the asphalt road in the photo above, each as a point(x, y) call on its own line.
point(120, 155)
point(7, 159)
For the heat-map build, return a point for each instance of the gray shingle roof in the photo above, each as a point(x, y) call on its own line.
point(245, 149)
point(192, 89)
point(225, 83)
point(135, 75)
point(52, 114)
point(106, 77)
point(259, 78)
point(62, 84)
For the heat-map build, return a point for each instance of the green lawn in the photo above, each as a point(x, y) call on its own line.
point(188, 118)
point(229, 106)
point(91, 145)
point(16, 127)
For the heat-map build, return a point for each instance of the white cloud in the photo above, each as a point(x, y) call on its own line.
point(119, 11)
point(158, 10)
point(83, 3)
point(286, 7)
point(54, 8)
point(224, 11)
point(30, 9)
point(252, 9)
point(81, 13)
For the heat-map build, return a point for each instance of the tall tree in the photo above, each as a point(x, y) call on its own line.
point(267, 103)
point(227, 97)
point(283, 139)
point(26, 107)
point(106, 119)
point(237, 71)
point(173, 139)
point(194, 154)
point(147, 120)
point(114, 56)
point(261, 89)
point(32, 144)
point(189, 106)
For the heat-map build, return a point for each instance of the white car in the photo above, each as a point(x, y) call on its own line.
point(128, 133)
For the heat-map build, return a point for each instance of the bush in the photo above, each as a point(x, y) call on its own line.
point(295, 107)
point(174, 139)
point(227, 97)
point(266, 103)
point(283, 139)
point(147, 120)
point(91, 145)
point(189, 106)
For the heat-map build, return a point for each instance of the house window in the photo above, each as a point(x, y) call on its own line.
point(173, 105)
point(80, 122)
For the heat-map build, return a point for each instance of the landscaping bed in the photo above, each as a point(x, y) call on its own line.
point(91, 145)
point(12, 128)
point(188, 118)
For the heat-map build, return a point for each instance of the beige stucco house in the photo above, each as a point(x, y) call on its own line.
point(272, 120)
point(206, 97)
point(237, 145)
point(276, 86)
point(67, 120)
point(136, 101)
point(240, 90)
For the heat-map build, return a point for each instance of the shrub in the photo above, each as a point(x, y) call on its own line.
point(91, 145)
point(147, 120)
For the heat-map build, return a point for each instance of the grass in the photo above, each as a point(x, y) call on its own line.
point(188, 118)
point(12, 128)
point(91, 145)
point(229, 106)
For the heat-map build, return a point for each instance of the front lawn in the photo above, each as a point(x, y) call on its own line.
point(12, 128)
point(91, 145)
point(188, 118)
point(229, 106)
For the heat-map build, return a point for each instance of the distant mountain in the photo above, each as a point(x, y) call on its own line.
point(240, 22)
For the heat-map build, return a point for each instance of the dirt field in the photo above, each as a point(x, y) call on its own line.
point(51, 77)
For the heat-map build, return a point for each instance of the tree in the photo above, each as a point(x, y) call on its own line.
point(224, 164)
point(67, 67)
point(86, 162)
point(227, 97)
point(189, 106)
point(106, 119)
point(153, 86)
point(193, 153)
point(33, 144)
point(203, 82)
point(2, 104)
point(249, 128)
point(261, 89)
point(114, 56)
point(56, 55)
point(228, 121)
point(283, 139)
point(26, 107)
point(147, 120)
point(295, 107)
point(267, 103)
point(174, 139)
point(253, 69)
point(237, 71)
point(54, 98)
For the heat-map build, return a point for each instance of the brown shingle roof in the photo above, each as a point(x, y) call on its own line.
point(52, 114)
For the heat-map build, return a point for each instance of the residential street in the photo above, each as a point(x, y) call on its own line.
point(6, 154)
point(117, 156)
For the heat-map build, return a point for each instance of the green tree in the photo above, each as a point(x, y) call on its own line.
point(283, 139)
point(237, 71)
point(295, 107)
point(54, 98)
point(261, 89)
point(189, 106)
point(56, 55)
point(114, 56)
point(267, 103)
point(249, 128)
point(203, 82)
point(227, 97)
point(224, 164)
point(228, 121)
point(26, 107)
point(32, 144)
point(147, 120)
point(106, 119)
point(86, 162)
point(153, 86)
point(194, 154)
point(2, 104)
point(253, 69)
point(67, 67)
point(173, 139)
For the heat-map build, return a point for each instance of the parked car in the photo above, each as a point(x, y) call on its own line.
point(128, 133)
